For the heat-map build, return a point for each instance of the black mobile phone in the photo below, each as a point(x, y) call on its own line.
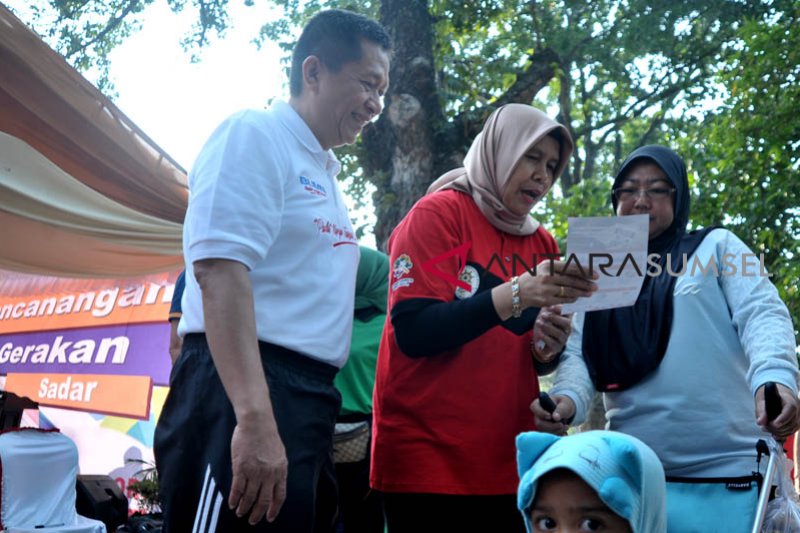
point(772, 400)
point(547, 402)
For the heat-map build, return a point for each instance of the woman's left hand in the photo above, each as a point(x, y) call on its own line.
point(550, 333)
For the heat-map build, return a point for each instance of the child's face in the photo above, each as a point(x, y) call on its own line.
point(565, 503)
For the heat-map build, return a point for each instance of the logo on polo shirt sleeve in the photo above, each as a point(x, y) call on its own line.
point(402, 268)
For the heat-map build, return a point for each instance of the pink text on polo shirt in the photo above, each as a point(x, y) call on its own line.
point(338, 234)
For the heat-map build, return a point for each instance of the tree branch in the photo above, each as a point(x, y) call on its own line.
point(527, 84)
point(533, 79)
point(658, 119)
point(596, 37)
point(571, 176)
point(537, 30)
point(112, 24)
point(635, 109)
point(72, 13)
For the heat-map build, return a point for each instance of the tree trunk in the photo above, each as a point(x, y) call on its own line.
point(399, 150)
point(411, 144)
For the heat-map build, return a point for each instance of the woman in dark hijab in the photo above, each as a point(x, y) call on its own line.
point(680, 369)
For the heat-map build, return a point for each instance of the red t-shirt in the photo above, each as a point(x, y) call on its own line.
point(447, 423)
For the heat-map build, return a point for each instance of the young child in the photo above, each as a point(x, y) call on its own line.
point(593, 481)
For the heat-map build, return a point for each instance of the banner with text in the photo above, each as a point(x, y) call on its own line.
point(127, 396)
point(93, 345)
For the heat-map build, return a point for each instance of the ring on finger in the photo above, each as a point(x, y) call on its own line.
point(562, 292)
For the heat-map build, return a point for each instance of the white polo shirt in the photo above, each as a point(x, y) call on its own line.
point(263, 192)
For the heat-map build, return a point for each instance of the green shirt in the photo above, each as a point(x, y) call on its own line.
point(357, 378)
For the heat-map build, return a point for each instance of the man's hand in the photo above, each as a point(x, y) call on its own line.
point(175, 342)
point(258, 457)
point(554, 423)
point(259, 464)
point(786, 422)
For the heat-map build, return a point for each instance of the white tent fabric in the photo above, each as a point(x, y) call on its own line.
point(34, 187)
point(83, 192)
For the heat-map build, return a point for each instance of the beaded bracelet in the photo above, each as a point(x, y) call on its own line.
point(516, 308)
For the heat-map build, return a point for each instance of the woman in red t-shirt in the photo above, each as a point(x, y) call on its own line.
point(472, 285)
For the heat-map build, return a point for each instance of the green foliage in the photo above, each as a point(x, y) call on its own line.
point(621, 65)
point(85, 31)
point(587, 199)
point(747, 154)
point(146, 487)
point(296, 14)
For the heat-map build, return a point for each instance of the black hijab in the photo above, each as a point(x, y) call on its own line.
point(622, 346)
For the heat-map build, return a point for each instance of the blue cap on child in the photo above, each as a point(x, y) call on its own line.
point(626, 474)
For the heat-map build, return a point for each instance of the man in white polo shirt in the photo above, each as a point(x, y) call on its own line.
point(245, 434)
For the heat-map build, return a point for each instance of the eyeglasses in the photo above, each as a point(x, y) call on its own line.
point(628, 195)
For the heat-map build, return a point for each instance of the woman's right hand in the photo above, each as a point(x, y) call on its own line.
point(553, 283)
